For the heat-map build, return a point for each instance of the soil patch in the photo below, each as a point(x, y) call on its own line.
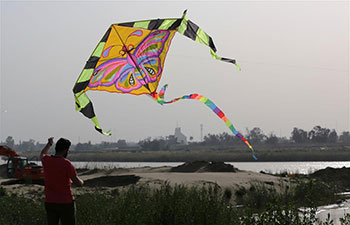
point(112, 181)
point(204, 166)
point(338, 177)
point(23, 181)
point(3, 171)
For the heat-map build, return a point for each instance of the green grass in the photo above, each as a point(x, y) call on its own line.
point(166, 205)
point(141, 205)
point(20, 210)
point(302, 192)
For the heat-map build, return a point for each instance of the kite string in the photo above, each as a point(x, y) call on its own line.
point(160, 99)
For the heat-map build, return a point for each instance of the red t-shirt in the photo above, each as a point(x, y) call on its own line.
point(58, 173)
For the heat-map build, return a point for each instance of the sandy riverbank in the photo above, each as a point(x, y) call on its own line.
point(197, 175)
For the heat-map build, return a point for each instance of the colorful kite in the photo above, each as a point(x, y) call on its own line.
point(130, 60)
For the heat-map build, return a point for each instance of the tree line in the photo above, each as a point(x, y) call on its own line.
point(256, 136)
point(317, 134)
point(32, 145)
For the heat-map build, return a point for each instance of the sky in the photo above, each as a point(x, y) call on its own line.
point(294, 57)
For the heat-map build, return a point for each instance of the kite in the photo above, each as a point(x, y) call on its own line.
point(130, 58)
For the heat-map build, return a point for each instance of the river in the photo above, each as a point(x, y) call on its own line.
point(269, 167)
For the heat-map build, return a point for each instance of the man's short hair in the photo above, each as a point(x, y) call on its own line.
point(62, 144)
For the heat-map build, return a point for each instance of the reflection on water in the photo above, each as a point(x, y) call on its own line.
point(110, 165)
point(290, 167)
point(335, 211)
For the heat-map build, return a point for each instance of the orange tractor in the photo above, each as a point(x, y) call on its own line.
point(18, 167)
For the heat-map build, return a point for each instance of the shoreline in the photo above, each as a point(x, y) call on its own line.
point(197, 174)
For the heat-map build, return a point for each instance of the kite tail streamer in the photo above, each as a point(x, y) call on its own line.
point(160, 99)
point(84, 105)
point(194, 32)
point(82, 102)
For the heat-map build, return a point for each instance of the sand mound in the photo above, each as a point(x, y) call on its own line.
point(112, 181)
point(204, 166)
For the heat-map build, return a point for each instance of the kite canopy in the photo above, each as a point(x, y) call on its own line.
point(130, 58)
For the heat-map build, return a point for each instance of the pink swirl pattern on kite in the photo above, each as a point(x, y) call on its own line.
point(136, 69)
point(104, 76)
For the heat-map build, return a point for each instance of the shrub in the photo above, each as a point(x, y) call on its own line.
point(313, 193)
point(2, 192)
point(19, 210)
point(172, 205)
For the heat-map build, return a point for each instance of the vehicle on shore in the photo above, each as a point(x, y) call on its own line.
point(19, 167)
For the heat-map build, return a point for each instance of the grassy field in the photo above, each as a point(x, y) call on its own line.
point(259, 203)
point(141, 205)
point(302, 154)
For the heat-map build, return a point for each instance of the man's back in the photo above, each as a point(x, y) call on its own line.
point(59, 171)
point(58, 174)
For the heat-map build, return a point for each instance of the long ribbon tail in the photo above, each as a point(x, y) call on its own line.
point(160, 99)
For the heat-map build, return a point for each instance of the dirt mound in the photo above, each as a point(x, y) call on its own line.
point(218, 167)
point(23, 181)
point(204, 166)
point(112, 181)
point(106, 181)
point(338, 177)
point(3, 171)
point(189, 167)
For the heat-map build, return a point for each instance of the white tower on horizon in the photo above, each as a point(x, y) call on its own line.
point(201, 132)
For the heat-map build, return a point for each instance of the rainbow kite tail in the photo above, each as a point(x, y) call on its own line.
point(160, 99)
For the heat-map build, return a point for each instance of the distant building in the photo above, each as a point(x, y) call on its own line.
point(180, 137)
point(171, 140)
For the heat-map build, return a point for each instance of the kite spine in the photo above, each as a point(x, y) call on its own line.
point(160, 99)
point(82, 101)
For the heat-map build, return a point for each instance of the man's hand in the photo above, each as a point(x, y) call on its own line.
point(47, 147)
point(77, 181)
point(50, 141)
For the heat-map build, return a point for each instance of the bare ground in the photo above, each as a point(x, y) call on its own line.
point(97, 179)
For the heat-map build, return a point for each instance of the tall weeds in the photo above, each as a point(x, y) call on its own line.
point(170, 205)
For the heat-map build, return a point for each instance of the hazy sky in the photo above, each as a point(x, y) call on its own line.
point(294, 57)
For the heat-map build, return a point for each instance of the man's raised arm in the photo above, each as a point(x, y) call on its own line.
point(47, 147)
